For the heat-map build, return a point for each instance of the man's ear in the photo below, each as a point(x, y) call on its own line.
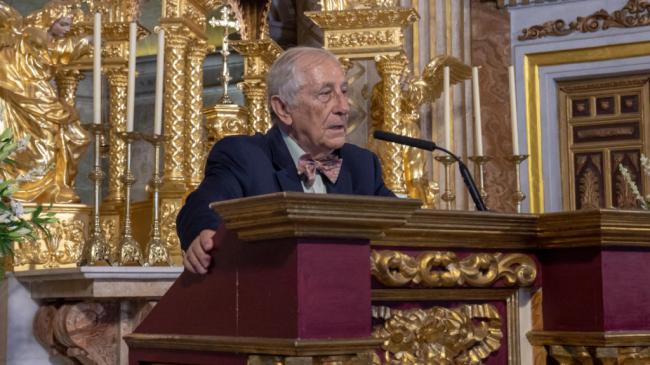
point(281, 110)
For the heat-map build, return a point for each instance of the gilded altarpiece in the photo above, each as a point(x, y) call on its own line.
point(603, 124)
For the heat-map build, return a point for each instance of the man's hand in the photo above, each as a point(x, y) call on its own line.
point(197, 257)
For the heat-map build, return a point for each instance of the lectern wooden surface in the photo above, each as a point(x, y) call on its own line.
point(292, 290)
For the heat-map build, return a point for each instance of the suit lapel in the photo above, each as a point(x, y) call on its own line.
point(285, 170)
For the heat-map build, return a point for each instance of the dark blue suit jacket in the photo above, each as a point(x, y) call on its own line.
point(241, 166)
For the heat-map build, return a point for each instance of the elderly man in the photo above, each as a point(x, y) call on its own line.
point(304, 151)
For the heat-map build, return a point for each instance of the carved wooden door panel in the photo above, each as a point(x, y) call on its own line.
point(603, 123)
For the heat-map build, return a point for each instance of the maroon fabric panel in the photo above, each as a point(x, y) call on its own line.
point(626, 289)
point(572, 290)
point(333, 289)
point(179, 357)
point(267, 289)
point(200, 304)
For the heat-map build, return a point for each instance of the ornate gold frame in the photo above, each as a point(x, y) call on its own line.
point(511, 297)
point(532, 64)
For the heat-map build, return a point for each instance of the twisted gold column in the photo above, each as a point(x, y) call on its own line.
point(195, 136)
point(390, 70)
point(173, 188)
point(258, 57)
point(111, 210)
point(117, 82)
point(174, 101)
point(257, 102)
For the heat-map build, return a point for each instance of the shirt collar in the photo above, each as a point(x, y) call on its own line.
point(294, 149)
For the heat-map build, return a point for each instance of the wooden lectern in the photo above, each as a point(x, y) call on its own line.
point(290, 279)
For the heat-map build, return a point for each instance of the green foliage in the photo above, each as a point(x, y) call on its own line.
point(16, 223)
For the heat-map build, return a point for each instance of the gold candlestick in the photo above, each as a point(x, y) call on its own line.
point(449, 197)
point(156, 251)
point(130, 251)
point(519, 196)
point(479, 162)
point(96, 250)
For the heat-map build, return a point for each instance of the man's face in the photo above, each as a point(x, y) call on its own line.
point(318, 118)
point(61, 27)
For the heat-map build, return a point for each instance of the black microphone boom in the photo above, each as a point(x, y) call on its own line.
point(408, 141)
point(430, 146)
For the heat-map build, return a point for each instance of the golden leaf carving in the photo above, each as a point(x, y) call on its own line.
point(636, 13)
point(464, 335)
point(444, 269)
point(589, 190)
point(337, 5)
point(63, 247)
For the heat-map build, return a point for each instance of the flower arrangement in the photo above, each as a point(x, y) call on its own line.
point(644, 201)
point(17, 223)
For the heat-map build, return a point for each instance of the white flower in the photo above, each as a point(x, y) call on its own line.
point(31, 174)
point(17, 208)
point(5, 217)
point(21, 144)
point(23, 231)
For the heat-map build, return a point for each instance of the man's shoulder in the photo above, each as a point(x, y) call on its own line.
point(241, 147)
point(239, 142)
point(352, 151)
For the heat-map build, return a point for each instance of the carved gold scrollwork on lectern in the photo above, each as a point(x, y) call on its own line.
point(445, 269)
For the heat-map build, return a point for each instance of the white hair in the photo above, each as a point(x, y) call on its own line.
point(284, 79)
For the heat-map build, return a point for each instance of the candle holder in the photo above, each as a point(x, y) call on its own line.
point(156, 252)
point(519, 196)
point(449, 197)
point(479, 162)
point(96, 251)
point(130, 251)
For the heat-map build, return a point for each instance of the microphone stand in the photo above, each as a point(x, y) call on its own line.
point(430, 146)
point(469, 181)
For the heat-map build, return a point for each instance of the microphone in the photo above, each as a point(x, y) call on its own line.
point(408, 141)
point(430, 146)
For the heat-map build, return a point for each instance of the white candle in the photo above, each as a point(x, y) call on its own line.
point(513, 111)
point(447, 101)
point(476, 98)
point(160, 66)
point(97, 69)
point(130, 89)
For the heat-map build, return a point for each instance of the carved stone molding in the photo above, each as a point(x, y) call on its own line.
point(87, 332)
point(445, 269)
point(464, 335)
point(636, 13)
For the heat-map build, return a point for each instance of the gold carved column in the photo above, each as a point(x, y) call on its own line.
point(174, 101)
point(115, 35)
point(117, 82)
point(111, 208)
point(194, 127)
point(355, 31)
point(390, 69)
point(258, 57)
point(173, 188)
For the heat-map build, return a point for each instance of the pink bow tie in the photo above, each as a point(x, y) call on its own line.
point(330, 166)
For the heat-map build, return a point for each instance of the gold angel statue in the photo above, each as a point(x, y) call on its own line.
point(32, 50)
point(427, 88)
